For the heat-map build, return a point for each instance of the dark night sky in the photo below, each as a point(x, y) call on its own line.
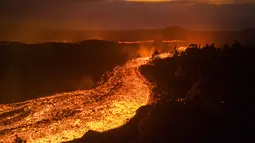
point(121, 14)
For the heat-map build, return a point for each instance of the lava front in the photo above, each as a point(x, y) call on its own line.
point(66, 116)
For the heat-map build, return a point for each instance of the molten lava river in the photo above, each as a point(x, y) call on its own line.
point(66, 116)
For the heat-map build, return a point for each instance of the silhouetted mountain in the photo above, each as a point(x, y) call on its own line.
point(168, 33)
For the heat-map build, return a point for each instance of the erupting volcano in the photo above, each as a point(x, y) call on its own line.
point(66, 116)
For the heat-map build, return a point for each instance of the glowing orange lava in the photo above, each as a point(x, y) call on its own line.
point(148, 41)
point(66, 116)
point(135, 42)
point(182, 49)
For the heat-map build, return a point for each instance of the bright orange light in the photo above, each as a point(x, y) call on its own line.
point(148, 41)
point(182, 49)
point(135, 42)
point(148, 0)
point(144, 51)
point(219, 2)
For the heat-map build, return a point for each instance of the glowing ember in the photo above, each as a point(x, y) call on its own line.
point(65, 116)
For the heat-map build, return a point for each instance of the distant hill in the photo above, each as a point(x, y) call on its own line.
point(168, 33)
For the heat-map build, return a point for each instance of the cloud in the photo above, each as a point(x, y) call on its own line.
point(217, 2)
point(109, 14)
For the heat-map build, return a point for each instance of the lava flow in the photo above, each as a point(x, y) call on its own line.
point(66, 116)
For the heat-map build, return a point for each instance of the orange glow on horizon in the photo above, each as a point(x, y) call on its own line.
point(220, 2)
point(148, 41)
point(148, 0)
point(135, 42)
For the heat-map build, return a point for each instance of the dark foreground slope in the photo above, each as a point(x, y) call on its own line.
point(206, 96)
point(214, 88)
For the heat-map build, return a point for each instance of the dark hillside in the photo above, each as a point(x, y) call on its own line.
point(206, 94)
point(29, 71)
